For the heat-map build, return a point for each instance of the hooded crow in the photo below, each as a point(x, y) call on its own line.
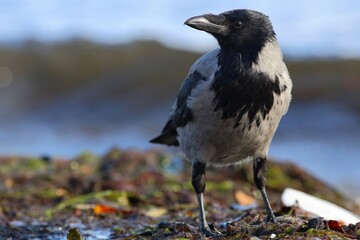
point(230, 104)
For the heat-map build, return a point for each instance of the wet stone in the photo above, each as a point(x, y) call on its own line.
point(316, 223)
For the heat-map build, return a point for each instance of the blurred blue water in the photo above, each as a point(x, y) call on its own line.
point(322, 137)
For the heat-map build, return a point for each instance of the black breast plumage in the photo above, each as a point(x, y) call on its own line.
point(240, 91)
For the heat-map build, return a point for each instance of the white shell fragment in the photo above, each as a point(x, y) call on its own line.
point(317, 206)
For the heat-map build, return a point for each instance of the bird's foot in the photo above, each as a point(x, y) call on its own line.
point(210, 232)
point(271, 218)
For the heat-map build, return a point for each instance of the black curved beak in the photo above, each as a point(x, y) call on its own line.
point(214, 24)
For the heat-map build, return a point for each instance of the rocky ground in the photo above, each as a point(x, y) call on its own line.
point(148, 195)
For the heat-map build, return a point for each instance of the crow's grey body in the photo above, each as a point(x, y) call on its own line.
point(229, 106)
point(214, 140)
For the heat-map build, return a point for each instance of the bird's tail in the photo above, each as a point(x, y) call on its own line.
point(167, 138)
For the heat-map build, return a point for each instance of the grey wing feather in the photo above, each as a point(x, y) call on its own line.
point(181, 114)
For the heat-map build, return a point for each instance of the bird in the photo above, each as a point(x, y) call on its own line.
point(231, 102)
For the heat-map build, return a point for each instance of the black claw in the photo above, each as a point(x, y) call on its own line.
point(270, 218)
point(210, 233)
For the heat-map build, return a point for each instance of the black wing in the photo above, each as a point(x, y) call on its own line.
point(181, 113)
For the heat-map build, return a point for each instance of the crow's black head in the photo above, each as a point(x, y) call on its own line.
point(242, 30)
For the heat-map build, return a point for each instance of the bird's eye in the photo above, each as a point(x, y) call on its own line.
point(238, 24)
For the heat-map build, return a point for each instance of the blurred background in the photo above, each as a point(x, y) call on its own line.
point(90, 75)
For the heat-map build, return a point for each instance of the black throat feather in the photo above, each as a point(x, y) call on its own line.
point(239, 90)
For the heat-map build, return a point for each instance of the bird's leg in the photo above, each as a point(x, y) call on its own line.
point(198, 182)
point(259, 169)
